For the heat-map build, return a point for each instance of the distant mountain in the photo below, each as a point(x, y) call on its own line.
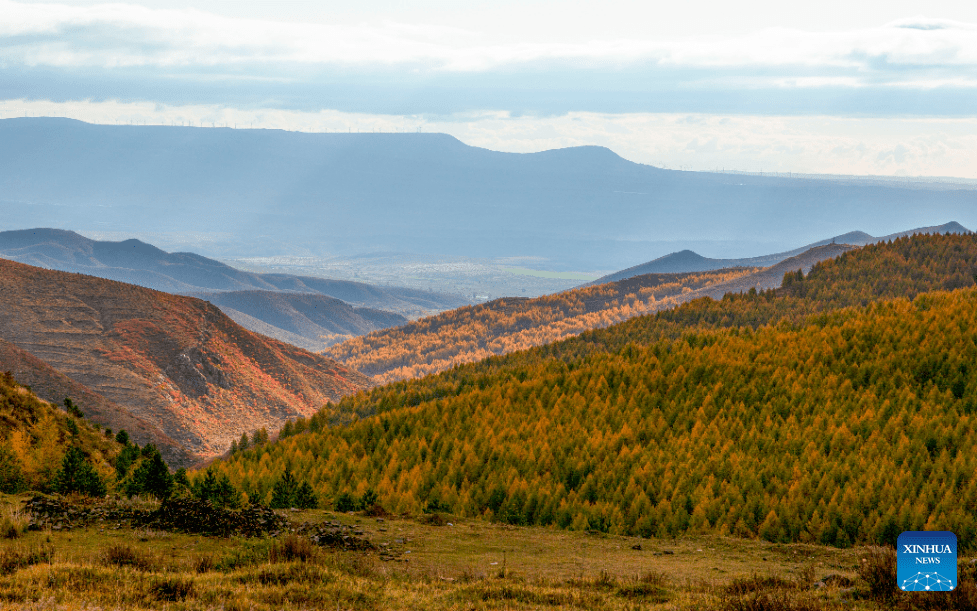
point(299, 314)
point(269, 192)
point(688, 261)
point(319, 320)
point(176, 363)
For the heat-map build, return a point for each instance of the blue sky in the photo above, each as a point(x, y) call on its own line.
point(837, 87)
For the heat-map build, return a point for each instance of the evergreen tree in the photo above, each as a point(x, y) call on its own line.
point(11, 473)
point(78, 475)
point(125, 458)
point(122, 437)
point(243, 443)
point(72, 409)
point(206, 487)
point(305, 497)
point(226, 495)
point(152, 476)
point(283, 495)
point(180, 478)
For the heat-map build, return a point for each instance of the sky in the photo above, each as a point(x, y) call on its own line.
point(886, 88)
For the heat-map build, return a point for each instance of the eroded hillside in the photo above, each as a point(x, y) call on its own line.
point(177, 363)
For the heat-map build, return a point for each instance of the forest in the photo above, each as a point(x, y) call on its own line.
point(472, 333)
point(837, 409)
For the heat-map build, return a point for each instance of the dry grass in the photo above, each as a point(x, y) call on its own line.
point(13, 523)
point(470, 565)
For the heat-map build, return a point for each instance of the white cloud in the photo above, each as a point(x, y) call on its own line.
point(112, 35)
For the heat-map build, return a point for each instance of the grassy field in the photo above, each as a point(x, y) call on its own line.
point(428, 563)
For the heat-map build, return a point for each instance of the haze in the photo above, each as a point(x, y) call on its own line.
point(885, 89)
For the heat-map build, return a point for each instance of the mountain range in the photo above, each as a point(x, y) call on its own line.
point(688, 261)
point(194, 378)
point(306, 311)
point(269, 192)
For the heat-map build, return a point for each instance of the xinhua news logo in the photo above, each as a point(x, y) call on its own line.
point(927, 561)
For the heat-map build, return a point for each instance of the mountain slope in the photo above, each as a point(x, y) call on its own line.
point(465, 335)
point(53, 386)
point(269, 192)
point(313, 317)
point(176, 362)
point(688, 261)
point(832, 424)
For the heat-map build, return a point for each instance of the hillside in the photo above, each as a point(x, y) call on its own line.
point(688, 261)
point(318, 321)
point(505, 325)
point(136, 262)
point(175, 362)
point(838, 423)
point(580, 208)
point(34, 436)
point(53, 386)
point(469, 334)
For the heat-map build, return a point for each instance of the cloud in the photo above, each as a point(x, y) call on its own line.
point(917, 66)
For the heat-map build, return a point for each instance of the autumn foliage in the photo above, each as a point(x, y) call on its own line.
point(509, 324)
point(828, 411)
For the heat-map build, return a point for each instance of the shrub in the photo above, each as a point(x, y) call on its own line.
point(346, 502)
point(13, 559)
point(123, 555)
point(292, 547)
point(171, 589)
point(878, 570)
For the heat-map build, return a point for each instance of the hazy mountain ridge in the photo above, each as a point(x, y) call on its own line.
point(291, 193)
point(688, 261)
point(175, 362)
point(135, 262)
point(313, 316)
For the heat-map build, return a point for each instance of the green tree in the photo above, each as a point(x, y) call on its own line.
point(152, 476)
point(125, 458)
point(11, 472)
point(206, 487)
point(78, 475)
point(305, 497)
point(122, 437)
point(283, 495)
point(73, 409)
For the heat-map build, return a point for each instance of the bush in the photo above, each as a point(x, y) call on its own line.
point(878, 570)
point(347, 502)
point(292, 547)
point(171, 589)
point(123, 555)
point(13, 559)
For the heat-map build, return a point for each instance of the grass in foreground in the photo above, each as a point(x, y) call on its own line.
point(439, 564)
